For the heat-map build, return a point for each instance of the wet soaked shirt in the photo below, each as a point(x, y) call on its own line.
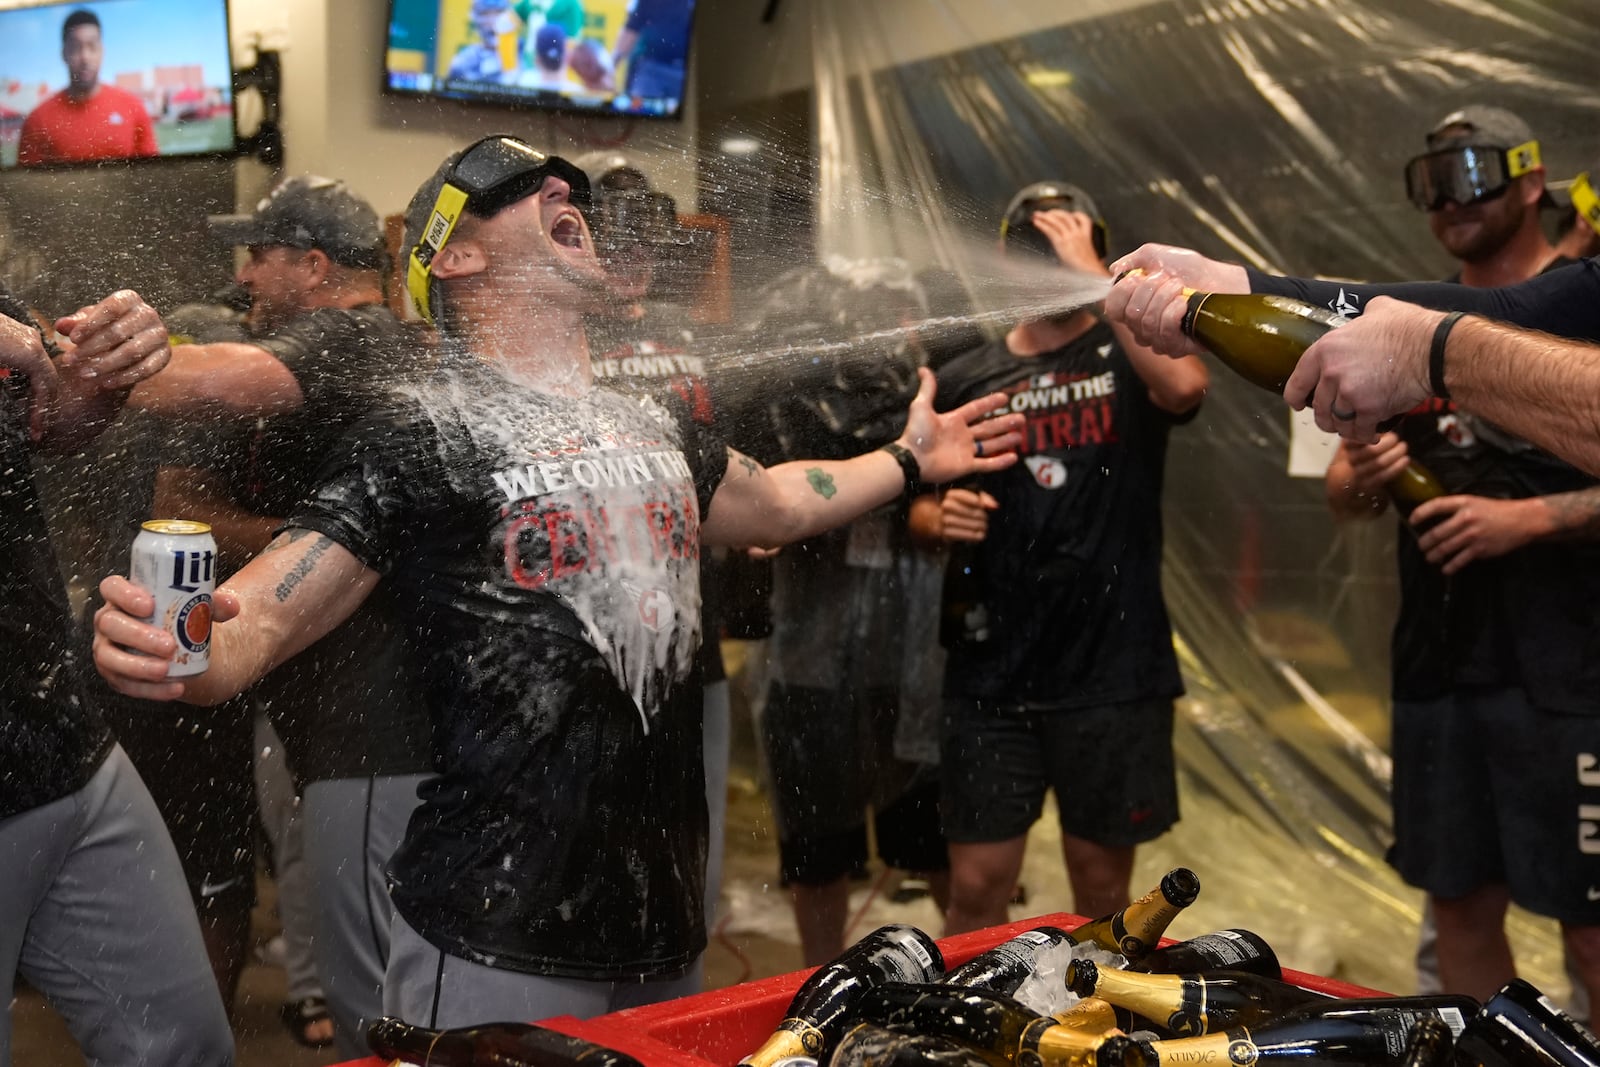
point(51, 741)
point(545, 551)
point(1070, 572)
point(651, 354)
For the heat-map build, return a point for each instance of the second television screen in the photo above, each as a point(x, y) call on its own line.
point(114, 79)
point(626, 57)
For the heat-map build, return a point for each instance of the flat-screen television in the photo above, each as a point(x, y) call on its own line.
point(621, 57)
point(114, 79)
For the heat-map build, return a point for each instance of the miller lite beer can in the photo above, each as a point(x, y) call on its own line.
point(176, 561)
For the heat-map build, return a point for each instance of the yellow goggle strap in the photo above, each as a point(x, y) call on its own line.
point(1523, 158)
point(441, 224)
point(1585, 200)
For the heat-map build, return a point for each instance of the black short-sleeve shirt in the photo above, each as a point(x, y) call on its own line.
point(51, 740)
point(544, 551)
point(1523, 619)
point(1070, 572)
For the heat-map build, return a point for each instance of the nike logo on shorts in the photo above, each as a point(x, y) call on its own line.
point(211, 889)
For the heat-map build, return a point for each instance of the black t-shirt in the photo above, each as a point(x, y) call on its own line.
point(1565, 302)
point(1069, 575)
point(51, 740)
point(345, 360)
point(648, 355)
point(1526, 618)
point(347, 706)
point(545, 550)
point(1522, 619)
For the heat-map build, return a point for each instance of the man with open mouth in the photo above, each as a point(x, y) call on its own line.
point(544, 534)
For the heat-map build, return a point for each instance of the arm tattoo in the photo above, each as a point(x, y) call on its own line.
point(285, 539)
point(303, 569)
point(821, 482)
point(1577, 514)
point(747, 463)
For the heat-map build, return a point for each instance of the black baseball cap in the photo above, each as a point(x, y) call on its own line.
point(311, 212)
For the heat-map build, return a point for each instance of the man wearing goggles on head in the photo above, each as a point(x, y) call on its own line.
point(1482, 184)
point(1479, 591)
point(543, 535)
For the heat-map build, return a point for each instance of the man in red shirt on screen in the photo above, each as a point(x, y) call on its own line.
point(86, 121)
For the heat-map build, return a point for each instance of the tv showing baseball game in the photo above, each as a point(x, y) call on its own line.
point(100, 80)
point(622, 57)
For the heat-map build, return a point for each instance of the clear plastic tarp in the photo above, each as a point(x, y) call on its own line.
point(1270, 132)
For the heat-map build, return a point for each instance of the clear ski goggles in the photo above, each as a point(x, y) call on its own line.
point(489, 177)
point(1467, 174)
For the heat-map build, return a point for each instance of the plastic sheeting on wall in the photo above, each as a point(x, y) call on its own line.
point(1271, 132)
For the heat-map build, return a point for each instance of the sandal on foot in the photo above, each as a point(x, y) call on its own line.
point(300, 1015)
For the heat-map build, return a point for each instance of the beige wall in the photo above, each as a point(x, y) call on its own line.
point(338, 122)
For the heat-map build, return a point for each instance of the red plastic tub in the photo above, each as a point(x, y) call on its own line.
point(715, 1029)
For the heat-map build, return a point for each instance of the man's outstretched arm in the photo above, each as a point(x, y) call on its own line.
point(1543, 389)
point(1151, 302)
point(302, 586)
point(766, 507)
point(231, 378)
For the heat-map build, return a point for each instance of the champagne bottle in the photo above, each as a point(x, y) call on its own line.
point(1431, 1045)
point(1005, 1031)
point(489, 1045)
point(875, 1046)
point(1520, 1027)
point(1090, 1015)
point(1005, 967)
point(1189, 1004)
point(1225, 950)
point(1261, 337)
point(1136, 930)
point(963, 616)
point(822, 1008)
point(1338, 1033)
point(1415, 484)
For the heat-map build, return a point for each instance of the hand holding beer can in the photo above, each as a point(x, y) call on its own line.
point(176, 562)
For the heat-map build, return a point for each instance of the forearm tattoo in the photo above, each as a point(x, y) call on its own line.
point(821, 482)
point(303, 569)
